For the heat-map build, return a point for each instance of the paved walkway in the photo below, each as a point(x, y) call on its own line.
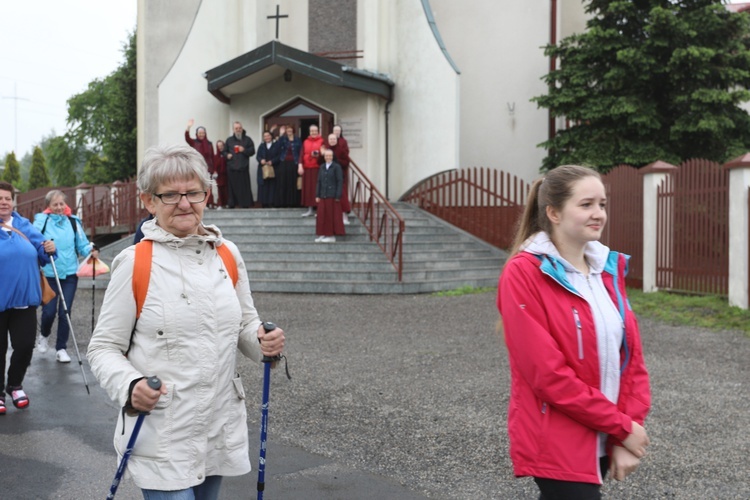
point(395, 397)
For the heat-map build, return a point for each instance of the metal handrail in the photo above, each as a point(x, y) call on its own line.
point(384, 224)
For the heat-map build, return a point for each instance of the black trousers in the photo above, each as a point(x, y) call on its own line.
point(21, 325)
point(553, 489)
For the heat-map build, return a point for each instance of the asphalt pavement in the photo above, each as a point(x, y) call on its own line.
point(393, 397)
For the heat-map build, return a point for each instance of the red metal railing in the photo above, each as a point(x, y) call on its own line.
point(693, 229)
point(103, 208)
point(382, 221)
point(624, 229)
point(482, 201)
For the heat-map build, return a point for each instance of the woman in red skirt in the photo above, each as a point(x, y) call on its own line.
point(308, 168)
point(328, 197)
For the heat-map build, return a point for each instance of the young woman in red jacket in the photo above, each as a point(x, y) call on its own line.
point(579, 386)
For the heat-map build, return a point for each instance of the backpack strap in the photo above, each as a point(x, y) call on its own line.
point(142, 270)
point(229, 262)
point(141, 274)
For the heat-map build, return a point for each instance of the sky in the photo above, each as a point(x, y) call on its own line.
point(49, 51)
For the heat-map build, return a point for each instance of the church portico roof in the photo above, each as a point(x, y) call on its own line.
point(268, 62)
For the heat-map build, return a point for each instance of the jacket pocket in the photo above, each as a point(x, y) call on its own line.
point(155, 435)
point(239, 389)
point(579, 333)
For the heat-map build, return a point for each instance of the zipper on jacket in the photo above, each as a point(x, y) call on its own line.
point(544, 408)
point(579, 332)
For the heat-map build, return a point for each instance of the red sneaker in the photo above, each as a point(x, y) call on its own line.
point(20, 400)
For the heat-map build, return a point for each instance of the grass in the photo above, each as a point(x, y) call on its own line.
point(464, 290)
point(706, 311)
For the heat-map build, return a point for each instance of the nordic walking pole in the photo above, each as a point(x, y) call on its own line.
point(70, 323)
point(155, 384)
point(267, 362)
point(93, 294)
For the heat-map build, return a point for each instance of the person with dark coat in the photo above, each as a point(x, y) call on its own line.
point(269, 153)
point(239, 148)
point(287, 194)
point(328, 195)
point(220, 175)
point(205, 148)
point(341, 156)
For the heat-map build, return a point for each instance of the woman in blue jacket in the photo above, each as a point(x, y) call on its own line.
point(22, 251)
point(56, 223)
point(287, 193)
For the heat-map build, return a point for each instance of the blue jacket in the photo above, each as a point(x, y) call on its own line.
point(296, 148)
point(20, 260)
point(69, 244)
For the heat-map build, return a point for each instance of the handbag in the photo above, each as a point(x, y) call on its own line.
point(268, 172)
point(47, 292)
point(299, 183)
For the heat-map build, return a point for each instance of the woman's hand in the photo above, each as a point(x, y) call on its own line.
point(144, 398)
point(300, 169)
point(623, 463)
point(95, 253)
point(271, 343)
point(49, 247)
point(637, 441)
point(190, 124)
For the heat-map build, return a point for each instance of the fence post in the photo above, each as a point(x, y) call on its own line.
point(739, 275)
point(81, 191)
point(653, 175)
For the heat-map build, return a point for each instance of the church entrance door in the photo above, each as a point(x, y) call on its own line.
point(300, 114)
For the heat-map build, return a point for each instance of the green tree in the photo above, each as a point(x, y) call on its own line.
point(97, 170)
point(38, 176)
point(62, 160)
point(651, 80)
point(12, 172)
point(103, 119)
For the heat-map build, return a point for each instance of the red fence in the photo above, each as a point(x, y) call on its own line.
point(624, 229)
point(103, 209)
point(482, 201)
point(693, 229)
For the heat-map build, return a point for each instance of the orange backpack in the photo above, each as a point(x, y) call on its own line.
point(142, 270)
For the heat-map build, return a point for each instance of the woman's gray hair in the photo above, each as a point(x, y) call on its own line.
point(54, 194)
point(168, 163)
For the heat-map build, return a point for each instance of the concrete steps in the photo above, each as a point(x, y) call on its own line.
point(281, 255)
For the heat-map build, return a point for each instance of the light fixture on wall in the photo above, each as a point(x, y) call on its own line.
point(288, 75)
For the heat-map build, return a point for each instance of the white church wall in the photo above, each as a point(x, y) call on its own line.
point(423, 123)
point(501, 58)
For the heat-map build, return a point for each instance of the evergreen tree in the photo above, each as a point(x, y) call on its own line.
point(104, 119)
point(12, 172)
point(38, 174)
point(651, 80)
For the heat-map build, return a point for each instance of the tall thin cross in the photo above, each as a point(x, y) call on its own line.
point(277, 17)
point(15, 115)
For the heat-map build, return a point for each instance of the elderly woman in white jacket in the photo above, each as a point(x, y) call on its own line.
point(192, 323)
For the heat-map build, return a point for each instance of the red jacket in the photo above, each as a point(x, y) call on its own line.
point(310, 145)
point(556, 408)
point(204, 147)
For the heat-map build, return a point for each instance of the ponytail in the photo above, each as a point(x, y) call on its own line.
point(528, 224)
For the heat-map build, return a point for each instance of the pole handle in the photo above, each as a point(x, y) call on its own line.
point(154, 382)
point(269, 326)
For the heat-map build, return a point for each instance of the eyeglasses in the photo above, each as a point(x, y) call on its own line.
point(193, 197)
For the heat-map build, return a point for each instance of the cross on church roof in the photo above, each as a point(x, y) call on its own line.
point(277, 17)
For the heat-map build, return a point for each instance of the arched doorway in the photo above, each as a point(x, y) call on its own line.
point(301, 114)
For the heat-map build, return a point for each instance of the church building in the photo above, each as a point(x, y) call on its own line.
point(418, 86)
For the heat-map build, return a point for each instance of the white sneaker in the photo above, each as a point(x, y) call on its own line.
point(308, 213)
point(218, 208)
point(319, 239)
point(43, 345)
point(62, 356)
point(328, 239)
